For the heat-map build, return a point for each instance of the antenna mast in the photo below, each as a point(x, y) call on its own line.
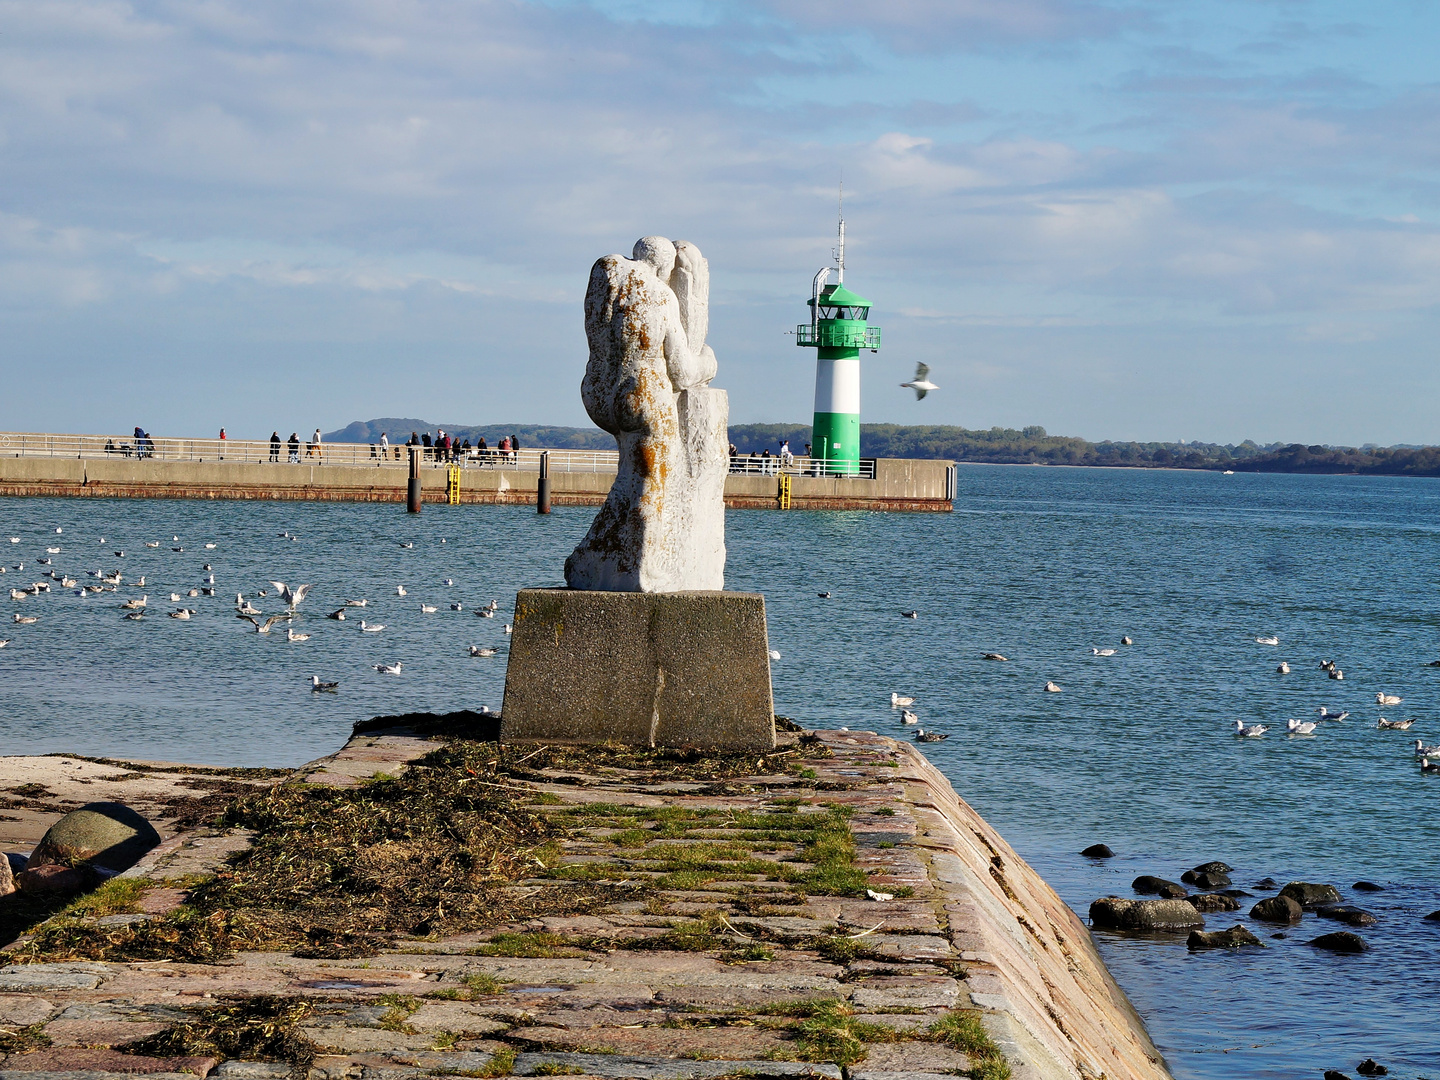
point(840, 252)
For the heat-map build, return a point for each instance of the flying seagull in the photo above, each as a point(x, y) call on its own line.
point(289, 595)
point(921, 384)
point(263, 628)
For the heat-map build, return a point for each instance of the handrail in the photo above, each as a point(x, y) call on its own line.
point(368, 455)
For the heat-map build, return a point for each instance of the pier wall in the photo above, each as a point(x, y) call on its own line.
point(899, 484)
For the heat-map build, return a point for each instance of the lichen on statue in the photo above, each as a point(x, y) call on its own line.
point(647, 382)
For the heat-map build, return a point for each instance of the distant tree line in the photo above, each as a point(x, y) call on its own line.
point(998, 446)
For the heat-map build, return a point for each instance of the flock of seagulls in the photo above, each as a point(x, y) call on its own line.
point(1425, 754)
point(907, 716)
point(136, 608)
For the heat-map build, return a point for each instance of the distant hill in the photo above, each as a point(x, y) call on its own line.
point(999, 446)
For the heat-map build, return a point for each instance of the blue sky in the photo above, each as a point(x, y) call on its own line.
point(1152, 220)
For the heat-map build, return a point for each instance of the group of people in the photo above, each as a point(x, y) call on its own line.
point(313, 448)
point(142, 447)
point(445, 447)
point(764, 462)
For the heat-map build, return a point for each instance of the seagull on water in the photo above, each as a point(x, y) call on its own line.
point(289, 595)
point(263, 628)
point(900, 700)
point(1252, 731)
point(182, 613)
point(337, 615)
point(52, 551)
point(1283, 669)
point(1421, 750)
point(388, 669)
point(457, 607)
point(508, 628)
point(1394, 725)
point(323, 687)
point(152, 543)
point(407, 544)
point(356, 603)
point(995, 656)
point(134, 604)
point(193, 592)
point(4, 642)
point(485, 613)
point(243, 606)
point(134, 615)
point(823, 595)
point(1102, 652)
point(908, 717)
point(476, 650)
point(291, 635)
point(428, 609)
point(1052, 688)
point(1297, 727)
point(1337, 674)
point(366, 628)
point(1126, 641)
point(1326, 714)
point(1271, 640)
point(909, 614)
point(26, 619)
point(400, 590)
point(209, 547)
point(774, 654)
point(448, 581)
point(1426, 765)
point(921, 735)
point(1387, 699)
point(921, 384)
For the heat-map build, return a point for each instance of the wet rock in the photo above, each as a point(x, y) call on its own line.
point(1367, 886)
point(1267, 883)
point(1282, 909)
point(104, 834)
point(1208, 902)
point(1173, 892)
point(1147, 883)
point(1206, 879)
point(1216, 867)
point(1434, 916)
point(1237, 893)
point(1310, 895)
point(1346, 913)
point(1117, 913)
point(53, 878)
point(1233, 938)
point(1098, 851)
point(7, 879)
point(1335, 1074)
point(1279, 937)
point(1342, 941)
point(1371, 1067)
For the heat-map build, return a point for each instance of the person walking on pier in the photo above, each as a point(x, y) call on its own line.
point(294, 448)
point(275, 446)
point(384, 446)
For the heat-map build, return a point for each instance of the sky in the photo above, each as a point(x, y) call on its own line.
point(1139, 219)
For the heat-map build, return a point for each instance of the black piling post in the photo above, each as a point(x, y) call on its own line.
point(542, 492)
point(412, 498)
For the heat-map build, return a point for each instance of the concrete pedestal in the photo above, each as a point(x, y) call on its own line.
point(639, 669)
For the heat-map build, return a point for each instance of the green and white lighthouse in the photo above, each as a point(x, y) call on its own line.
point(837, 330)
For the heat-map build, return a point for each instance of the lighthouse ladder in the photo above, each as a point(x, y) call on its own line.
point(452, 486)
point(782, 497)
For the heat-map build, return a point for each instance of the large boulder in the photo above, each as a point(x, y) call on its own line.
point(1118, 913)
point(1098, 851)
point(55, 878)
point(101, 834)
point(1342, 941)
point(1309, 895)
point(1215, 867)
point(1147, 883)
point(7, 878)
point(1208, 902)
point(1346, 913)
point(1222, 939)
point(1281, 909)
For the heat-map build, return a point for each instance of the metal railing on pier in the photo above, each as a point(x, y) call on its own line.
point(304, 452)
point(758, 465)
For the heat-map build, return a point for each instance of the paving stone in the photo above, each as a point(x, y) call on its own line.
point(252, 1070)
point(914, 1057)
point(77, 976)
point(86, 1074)
point(101, 1032)
point(107, 1061)
point(884, 992)
point(452, 1016)
point(444, 1061)
point(361, 1040)
point(22, 1010)
point(641, 1068)
point(719, 1042)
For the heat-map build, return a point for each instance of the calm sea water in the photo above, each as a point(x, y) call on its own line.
point(1039, 564)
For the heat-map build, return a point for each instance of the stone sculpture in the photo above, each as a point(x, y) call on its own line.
point(662, 528)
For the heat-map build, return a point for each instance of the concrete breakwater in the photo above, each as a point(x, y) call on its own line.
point(898, 484)
point(709, 944)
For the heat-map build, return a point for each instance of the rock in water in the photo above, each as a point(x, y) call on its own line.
point(1281, 909)
point(104, 834)
point(1098, 851)
point(1342, 941)
point(1146, 883)
point(1267, 883)
point(1208, 902)
point(1346, 913)
point(1206, 879)
point(1434, 916)
point(1117, 913)
point(1233, 938)
point(1371, 1067)
point(662, 528)
point(1309, 895)
point(1216, 867)
point(1335, 1074)
point(1367, 886)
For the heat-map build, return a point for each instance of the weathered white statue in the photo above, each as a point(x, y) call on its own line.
point(662, 528)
